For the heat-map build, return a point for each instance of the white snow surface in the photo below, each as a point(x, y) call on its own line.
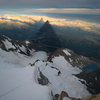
point(66, 81)
point(8, 44)
point(17, 78)
point(66, 52)
point(27, 42)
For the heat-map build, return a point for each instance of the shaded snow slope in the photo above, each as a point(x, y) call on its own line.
point(17, 77)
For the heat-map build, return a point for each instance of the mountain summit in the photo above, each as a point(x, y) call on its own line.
point(41, 20)
point(47, 37)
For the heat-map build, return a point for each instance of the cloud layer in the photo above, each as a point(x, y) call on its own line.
point(84, 25)
point(64, 10)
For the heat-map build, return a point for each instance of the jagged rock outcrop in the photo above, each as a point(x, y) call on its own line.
point(23, 47)
point(43, 80)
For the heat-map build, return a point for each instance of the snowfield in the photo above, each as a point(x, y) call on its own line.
point(19, 77)
point(65, 81)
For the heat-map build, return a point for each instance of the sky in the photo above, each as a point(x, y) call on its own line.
point(49, 3)
point(50, 6)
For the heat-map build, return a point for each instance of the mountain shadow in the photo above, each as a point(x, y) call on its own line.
point(47, 38)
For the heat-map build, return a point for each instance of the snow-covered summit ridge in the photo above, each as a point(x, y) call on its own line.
point(49, 74)
point(73, 58)
point(8, 45)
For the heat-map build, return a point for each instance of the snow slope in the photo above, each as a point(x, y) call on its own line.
point(66, 80)
point(20, 74)
point(17, 77)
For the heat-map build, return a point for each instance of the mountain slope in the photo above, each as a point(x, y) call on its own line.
point(39, 75)
point(73, 58)
point(16, 75)
point(61, 77)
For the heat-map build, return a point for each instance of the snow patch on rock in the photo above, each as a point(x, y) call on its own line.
point(66, 52)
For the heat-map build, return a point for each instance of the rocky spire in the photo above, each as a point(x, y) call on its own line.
point(46, 36)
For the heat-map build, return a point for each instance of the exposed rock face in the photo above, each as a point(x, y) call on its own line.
point(92, 80)
point(47, 37)
point(62, 95)
point(73, 58)
point(66, 96)
point(43, 80)
point(93, 97)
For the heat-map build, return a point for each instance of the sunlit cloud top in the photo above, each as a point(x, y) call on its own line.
point(84, 25)
point(64, 10)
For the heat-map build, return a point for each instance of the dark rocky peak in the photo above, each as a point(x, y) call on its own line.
point(47, 22)
point(47, 28)
point(47, 37)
